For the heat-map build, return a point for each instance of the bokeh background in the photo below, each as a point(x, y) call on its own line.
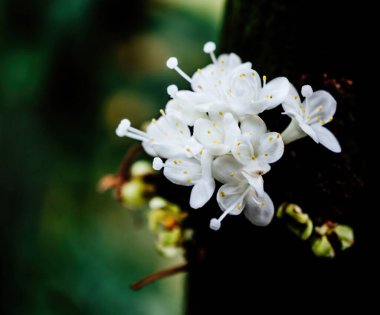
point(69, 71)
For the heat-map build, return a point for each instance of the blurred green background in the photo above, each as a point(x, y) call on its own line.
point(70, 70)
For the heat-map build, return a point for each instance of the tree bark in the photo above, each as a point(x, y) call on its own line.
point(246, 268)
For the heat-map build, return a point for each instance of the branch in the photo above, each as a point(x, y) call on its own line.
point(160, 275)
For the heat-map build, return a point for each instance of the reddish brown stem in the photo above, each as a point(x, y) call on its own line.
point(133, 152)
point(124, 168)
point(160, 275)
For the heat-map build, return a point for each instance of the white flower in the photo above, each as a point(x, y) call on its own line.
point(212, 132)
point(181, 106)
point(256, 144)
point(166, 137)
point(309, 116)
point(218, 135)
point(190, 172)
point(227, 85)
point(241, 174)
point(242, 191)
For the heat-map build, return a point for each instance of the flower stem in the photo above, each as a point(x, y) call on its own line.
point(160, 275)
point(124, 169)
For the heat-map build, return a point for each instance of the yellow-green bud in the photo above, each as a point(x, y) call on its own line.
point(135, 193)
point(165, 221)
point(345, 235)
point(142, 168)
point(298, 222)
point(322, 247)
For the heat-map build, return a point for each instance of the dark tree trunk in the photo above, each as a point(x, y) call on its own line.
point(245, 268)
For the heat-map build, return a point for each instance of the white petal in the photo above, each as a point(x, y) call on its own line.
point(195, 99)
point(183, 171)
point(243, 150)
point(201, 193)
point(217, 113)
point(184, 108)
point(210, 134)
point(148, 148)
point(257, 167)
point(309, 131)
point(166, 150)
point(270, 148)
point(229, 195)
point(327, 138)
point(231, 129)
point(321, 107)
point(259, 211)
point(168, 136)
point(206, 165)
point(192, 147)
point(229, 60)
point(275, 92)
point(253, 125)
point(241, 88)
point(291, 104)
point(204, 80)
point(256, 182)
point(226, 169)
point(172, 127)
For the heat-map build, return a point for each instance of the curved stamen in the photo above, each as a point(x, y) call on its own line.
point(216, 223)
point(172, 63)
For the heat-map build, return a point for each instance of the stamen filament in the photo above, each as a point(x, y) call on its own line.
point(137, 137)
point(137, 131)
point(216, 223)
point(209, 48)
point(172, 63)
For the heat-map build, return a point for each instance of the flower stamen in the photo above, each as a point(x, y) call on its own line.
point(209, 48)
point(172, 63)
point(216, 223)
point(172, 90)
point(126, 130)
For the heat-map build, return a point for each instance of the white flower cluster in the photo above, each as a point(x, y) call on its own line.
point(213, 132)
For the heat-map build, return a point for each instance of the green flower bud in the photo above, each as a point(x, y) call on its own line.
point(332, 237)
point(165, 221)
point(345, 235)
point(322, 247)
point(136, 193)
point(142, 168)
point(298, 222)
